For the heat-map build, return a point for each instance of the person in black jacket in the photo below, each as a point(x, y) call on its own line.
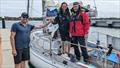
point(63, 19)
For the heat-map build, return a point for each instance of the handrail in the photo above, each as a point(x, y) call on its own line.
point(50, 50)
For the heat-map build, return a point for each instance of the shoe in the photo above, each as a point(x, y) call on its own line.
point(78, 58)
point(86, 61)
point(72, 58)
point(59, 52)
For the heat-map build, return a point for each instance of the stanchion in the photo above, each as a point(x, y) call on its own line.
point(3, 22)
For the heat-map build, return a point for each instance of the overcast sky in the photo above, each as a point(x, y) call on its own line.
point(106, 8)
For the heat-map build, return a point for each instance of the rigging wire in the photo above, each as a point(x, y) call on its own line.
point(31, 6)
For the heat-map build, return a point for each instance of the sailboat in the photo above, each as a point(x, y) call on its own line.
point(44, 48)
point(44, 52)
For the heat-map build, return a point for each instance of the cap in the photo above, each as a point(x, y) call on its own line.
point(24, 15)
point(76, 3)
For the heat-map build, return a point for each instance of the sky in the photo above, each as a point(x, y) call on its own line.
point(13, 8)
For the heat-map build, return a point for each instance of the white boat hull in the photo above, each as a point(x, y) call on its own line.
point(40, 62)
point(42, 59)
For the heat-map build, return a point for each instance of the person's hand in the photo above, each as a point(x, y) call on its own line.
point(70, 35)
point(14, 53)
point(86, 35)
point(50, 20)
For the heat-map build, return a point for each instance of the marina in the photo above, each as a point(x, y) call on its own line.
point(108, 23)
point(93, 37)
point(100, 45)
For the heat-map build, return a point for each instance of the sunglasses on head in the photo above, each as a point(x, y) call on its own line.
point(25, 16)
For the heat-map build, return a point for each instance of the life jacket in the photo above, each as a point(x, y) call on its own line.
point(77, 25)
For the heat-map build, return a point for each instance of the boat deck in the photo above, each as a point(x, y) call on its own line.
point(40, 43)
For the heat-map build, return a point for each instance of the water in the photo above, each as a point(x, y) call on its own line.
point(93, 36)
point(9, 23)
point(93, 32)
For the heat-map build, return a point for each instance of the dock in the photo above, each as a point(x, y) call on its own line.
point(106, 22)
point(7, 57)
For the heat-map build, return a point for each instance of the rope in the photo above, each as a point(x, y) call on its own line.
point(41, 37)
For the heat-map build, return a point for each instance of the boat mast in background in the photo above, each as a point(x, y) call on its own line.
point(43, 6)
point(96, 12)
point(28, 6)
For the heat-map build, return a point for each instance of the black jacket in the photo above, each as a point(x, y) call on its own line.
point(63, 22)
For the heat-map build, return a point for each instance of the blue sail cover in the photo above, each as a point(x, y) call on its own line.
point(113, 57)
point(51, 13)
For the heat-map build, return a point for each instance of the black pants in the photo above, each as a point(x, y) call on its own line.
point(81, 41)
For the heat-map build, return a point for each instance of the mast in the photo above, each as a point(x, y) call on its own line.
point(43, 10)
point(43, 6)
point(96, 12)
point(28, 6)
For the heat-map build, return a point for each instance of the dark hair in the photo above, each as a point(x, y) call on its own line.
point(61, 11)
point(79, 9)
point(24, 15)
point(75, 3)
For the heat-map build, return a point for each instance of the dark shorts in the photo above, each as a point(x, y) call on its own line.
point(64, 36)
point(22, 55)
